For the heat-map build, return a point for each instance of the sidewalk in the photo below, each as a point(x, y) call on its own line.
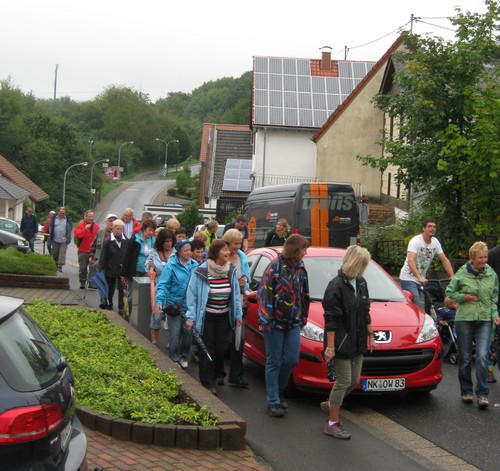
point(116, 455)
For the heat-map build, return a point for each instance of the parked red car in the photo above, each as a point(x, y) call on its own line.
point(409, 350)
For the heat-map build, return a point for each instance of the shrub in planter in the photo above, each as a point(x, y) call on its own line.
point(14, 261)
point(113, 376)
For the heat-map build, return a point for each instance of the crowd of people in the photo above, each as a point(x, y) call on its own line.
point(200, 285)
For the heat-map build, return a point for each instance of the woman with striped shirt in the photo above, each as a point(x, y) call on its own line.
point(214, 308)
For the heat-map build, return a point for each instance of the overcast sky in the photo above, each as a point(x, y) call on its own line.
point(162, 46)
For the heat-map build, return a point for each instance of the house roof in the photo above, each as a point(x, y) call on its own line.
point(10, 191)
point(361, 85)
point(207, 135)
point(231, 142)
point(10, 172)
point(301, 93)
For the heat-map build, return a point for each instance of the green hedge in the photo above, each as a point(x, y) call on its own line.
point(14, 261)
point(112, 375)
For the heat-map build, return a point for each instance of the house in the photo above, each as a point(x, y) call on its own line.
point(15, 187)
point(226, 164)
point(292, 99)
point(354, 129)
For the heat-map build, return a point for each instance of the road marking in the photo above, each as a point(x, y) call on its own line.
point(419, 449)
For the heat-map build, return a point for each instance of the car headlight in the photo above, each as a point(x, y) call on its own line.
point(312, 332)
point(429, 330)
point(22, 243)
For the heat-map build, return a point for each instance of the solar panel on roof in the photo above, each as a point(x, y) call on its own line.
point(237, 175)
point(286, 94)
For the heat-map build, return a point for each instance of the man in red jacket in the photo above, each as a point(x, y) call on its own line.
point(85, 233)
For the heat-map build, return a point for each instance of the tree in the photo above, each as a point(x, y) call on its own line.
point(190, 218)
point(448, 109)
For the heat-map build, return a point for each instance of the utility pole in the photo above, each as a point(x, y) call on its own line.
point(55, 82)
point(412, 19)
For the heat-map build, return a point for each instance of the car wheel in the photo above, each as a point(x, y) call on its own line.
point(453, 358)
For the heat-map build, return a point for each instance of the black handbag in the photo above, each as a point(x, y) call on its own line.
point(173, 309)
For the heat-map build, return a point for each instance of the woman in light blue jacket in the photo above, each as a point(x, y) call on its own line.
point(171, 290)
point(214, 308)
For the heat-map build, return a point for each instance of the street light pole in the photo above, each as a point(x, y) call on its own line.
point(119, 155)
point(166, 152)
point(64, 181)
point(91, 143)
point(91, 175)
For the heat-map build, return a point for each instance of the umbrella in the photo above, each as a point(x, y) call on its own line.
point(152, 290)
point(99, 280)
point(197, 337)
point(124, 283)
point(237, 337)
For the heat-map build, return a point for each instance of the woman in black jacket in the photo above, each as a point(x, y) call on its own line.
point(278, 236)
point(348, 332)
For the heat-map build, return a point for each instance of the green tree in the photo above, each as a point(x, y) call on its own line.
point(190, 217)
point(448, 108)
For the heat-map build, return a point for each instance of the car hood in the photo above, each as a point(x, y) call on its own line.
point(10, 237)
point(403, 319)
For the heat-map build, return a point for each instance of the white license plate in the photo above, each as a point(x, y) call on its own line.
point(383, 384)
point(66, 435)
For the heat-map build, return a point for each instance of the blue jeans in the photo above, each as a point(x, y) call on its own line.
point(413, 288)
point(179, 338)
point(467, 331)
point(282, 354)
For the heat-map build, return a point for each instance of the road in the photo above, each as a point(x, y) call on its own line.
point(297, 442)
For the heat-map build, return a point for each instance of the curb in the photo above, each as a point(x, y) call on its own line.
point(229, 434)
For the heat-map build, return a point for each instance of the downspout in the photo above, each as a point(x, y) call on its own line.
point(264, 158)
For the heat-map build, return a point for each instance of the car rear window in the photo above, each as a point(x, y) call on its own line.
point(28, 359)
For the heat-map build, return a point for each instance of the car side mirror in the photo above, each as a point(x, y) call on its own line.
point(408, 295)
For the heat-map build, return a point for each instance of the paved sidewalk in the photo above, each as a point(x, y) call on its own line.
point(112, 454)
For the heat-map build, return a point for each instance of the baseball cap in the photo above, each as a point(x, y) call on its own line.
point(111, 216)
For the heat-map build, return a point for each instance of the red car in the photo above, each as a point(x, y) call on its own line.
point(409, 350)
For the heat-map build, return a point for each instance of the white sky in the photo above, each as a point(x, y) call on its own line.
point(161, 46)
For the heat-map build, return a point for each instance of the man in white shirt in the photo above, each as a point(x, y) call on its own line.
point(421, 251)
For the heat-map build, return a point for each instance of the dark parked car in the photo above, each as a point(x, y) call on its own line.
point(7, 239)
point(38, 425)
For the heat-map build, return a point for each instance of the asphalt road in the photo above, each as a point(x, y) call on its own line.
point(297, 442)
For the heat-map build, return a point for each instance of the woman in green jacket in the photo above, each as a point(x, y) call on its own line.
point(475, 288)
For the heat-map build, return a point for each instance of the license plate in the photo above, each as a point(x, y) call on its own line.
point(383, 384)
point(66, 435)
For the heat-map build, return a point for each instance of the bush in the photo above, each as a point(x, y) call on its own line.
point(112, 375)
point(13, 261)
point(172, 191)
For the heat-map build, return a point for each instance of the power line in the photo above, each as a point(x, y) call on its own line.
point(432, 24)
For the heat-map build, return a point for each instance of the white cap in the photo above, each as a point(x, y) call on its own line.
point(109, 216)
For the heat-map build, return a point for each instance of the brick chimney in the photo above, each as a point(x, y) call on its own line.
point(326, 58)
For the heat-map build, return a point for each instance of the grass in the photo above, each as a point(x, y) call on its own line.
point(14, 261)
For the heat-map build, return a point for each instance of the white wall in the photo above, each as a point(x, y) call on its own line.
point(284, 152)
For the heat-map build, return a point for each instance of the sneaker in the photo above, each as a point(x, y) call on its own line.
point(91, 286)
point(274, 410)
point(482, 402)
point(467, 398)
point(491, 377)
point(336, 430)
point(325, 407)
point(82, 286)
point(220, 381)
point(183, 362)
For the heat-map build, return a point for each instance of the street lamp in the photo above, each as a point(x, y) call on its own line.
point(64, 181)
point(119, 155)
point(166, 151)
point(91, 175)
point(91, 143)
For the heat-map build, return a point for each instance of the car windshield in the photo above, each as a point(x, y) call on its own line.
point(28, 359)
point(323, 269)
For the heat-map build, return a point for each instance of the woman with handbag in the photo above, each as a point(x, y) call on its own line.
point(171, 298)
point(214, 309)
point(283, 308)
point(348, 332)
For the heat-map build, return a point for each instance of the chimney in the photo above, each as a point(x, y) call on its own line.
point(326, 58)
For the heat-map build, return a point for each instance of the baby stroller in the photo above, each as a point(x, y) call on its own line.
point(446, 326)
